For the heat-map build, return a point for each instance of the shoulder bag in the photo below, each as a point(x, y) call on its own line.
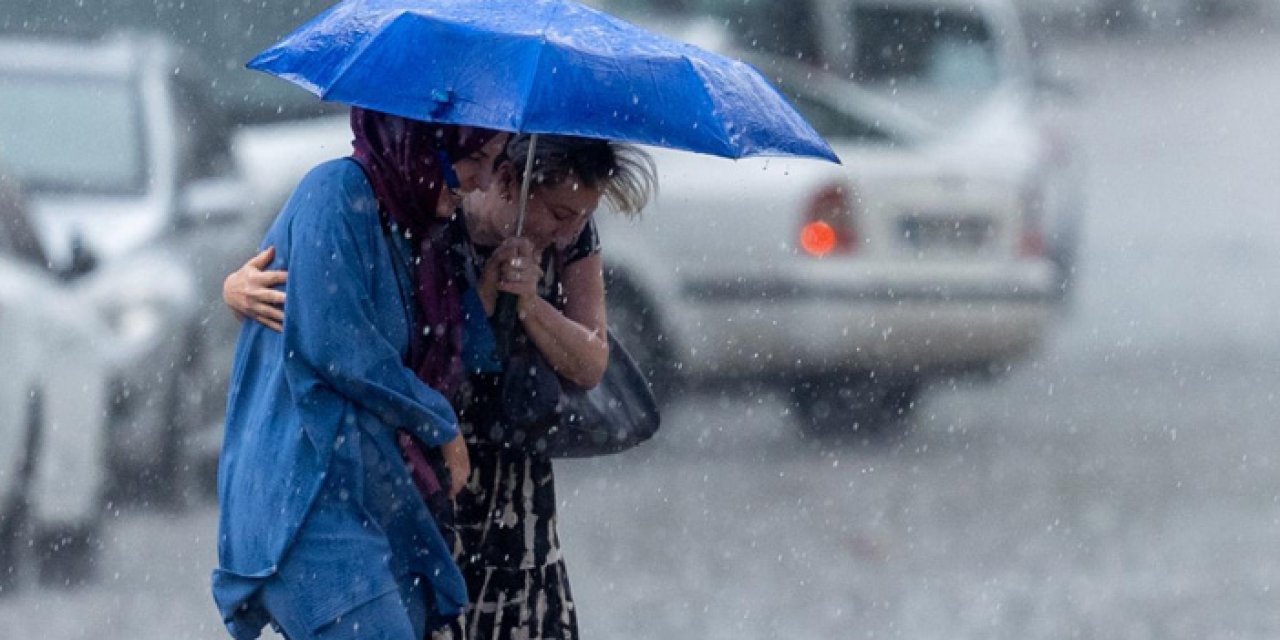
point(542, 413)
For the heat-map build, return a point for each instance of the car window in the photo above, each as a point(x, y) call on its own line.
point(922, 50)
point(778, 28)
point(933, 61)
point(821, 98)
point(72, 134)
point(834, 123)
point(223, 34)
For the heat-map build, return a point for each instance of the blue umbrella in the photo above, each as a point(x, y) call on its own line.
point(539, 66)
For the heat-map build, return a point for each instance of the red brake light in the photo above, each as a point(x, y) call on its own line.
point(827, 226)
point(818, 238)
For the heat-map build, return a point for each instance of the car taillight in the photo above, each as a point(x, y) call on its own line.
point(1031, 237)
point(827, 227)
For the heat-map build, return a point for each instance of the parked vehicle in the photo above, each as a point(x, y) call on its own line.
point(965, 66)
point(53, 397)
point(968, 68)
point(850, 289)
point(137, 205)
point(222, 34)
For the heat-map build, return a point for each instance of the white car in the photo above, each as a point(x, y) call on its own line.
point(850, 287)
point(53, 401)
point(134, 198)
point(964, 66)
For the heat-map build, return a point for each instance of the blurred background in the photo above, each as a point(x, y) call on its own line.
point(1008, 372)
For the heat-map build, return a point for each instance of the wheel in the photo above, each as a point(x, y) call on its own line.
point(186, 402)
point(161, 479)
point(634, 322)
point(853, 404)
point(195, 406)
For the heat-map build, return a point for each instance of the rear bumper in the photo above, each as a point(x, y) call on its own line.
point(806, 326)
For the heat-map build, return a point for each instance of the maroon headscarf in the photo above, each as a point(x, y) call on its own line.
point(401, 158)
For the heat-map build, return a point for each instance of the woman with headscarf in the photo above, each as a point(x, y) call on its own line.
point(508, 547)
point(323, 532)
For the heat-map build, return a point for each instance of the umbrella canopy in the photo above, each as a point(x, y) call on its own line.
point(539, 66)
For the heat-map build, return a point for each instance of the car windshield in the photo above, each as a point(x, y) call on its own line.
point(925, 59)
point(836, 124)
point(72, 134)
point(772, 54)
point(935, 61)
point(830, 116)
point(223, 34)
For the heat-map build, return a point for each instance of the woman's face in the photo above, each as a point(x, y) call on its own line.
point(555, 215)
point(476, 170)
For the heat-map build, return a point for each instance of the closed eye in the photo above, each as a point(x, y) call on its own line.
point(563, 214)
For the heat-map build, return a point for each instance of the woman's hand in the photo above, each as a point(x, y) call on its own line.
point(250, 294)
point(458, 463)
point(519, 271)
point(511, 269)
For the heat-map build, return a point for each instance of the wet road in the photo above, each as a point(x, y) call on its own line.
point(1123, 484)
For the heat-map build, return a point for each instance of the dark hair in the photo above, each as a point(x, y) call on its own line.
point(625, 175)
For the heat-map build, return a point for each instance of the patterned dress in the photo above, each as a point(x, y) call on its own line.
point(507, 545)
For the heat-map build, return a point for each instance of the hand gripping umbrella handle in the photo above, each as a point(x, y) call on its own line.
point(504, 314)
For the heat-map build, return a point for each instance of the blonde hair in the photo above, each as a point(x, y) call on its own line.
point(625, 174)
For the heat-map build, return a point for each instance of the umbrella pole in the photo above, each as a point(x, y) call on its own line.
point(524, 184)
point(504, 316)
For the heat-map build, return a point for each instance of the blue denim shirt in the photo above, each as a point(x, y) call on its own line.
point(306, 407)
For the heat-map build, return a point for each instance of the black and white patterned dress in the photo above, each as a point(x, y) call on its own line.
point(507, 545)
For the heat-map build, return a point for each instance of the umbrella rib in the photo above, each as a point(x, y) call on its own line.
point(724, 133)
point(353, 58)
point(533, 78)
